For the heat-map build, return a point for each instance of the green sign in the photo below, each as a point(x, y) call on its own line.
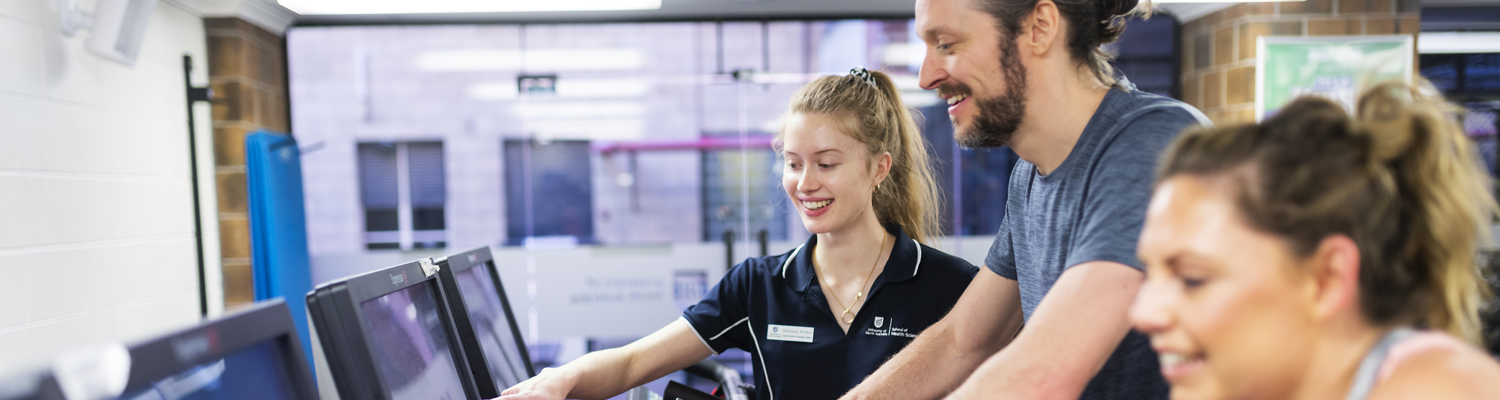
point(1336, 67)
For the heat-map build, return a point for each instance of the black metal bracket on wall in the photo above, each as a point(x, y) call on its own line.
point(195, 95)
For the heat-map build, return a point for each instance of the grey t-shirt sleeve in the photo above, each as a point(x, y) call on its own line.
point(1002, 257)
point(1119, 188)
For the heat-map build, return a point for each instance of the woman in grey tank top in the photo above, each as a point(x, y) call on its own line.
point(1319, 255)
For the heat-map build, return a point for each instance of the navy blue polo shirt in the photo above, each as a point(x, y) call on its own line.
point(773, 308)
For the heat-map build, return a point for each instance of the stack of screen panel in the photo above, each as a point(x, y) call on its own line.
point(487, 327)
point(388, 335)
point(253, 354)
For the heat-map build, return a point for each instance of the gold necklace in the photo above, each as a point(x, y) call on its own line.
point(857, 295)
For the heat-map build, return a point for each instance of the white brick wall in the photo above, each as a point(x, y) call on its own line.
point(96, 227)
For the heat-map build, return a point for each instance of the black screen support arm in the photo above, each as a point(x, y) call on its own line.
point(195, 95)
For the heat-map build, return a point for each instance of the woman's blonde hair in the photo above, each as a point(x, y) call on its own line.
point(1399, 178)
point(875, 116)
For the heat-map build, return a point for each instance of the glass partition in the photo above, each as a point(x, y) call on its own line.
point(618, 169)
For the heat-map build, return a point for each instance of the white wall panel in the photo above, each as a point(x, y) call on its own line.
point(95, 207)
point(41, 13)
point(21, 42)
point(126, 322)
point(77, 279)
point(46, 135)
point(42, 209)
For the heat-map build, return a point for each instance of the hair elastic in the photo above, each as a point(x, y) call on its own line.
point(864, 74)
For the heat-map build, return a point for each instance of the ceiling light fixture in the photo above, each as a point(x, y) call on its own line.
point(1458, 42)
point(326, 7)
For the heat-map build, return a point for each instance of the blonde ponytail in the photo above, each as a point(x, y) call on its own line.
point(1434, 169)
point(874, 115)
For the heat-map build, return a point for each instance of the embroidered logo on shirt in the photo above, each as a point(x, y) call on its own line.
point(883, 329)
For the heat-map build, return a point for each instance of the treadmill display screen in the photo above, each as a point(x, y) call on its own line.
point(256, 372)
point(410, 345)
point(501, 351)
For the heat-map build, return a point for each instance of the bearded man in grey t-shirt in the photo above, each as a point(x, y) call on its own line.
point(1028, 74)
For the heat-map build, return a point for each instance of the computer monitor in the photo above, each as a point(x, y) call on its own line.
point(486, 323)
point(251, 354)
point(388, 335)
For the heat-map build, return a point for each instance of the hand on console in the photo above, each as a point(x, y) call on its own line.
point(549, 384)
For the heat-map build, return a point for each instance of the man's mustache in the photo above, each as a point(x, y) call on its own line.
point(948, 90)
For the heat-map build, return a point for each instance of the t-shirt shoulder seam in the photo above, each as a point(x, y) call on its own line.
point(1169, 106)
point(949, 262)
point(756, 268)
point(1107, 149)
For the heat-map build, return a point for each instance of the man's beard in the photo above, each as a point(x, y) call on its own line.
point(998, 118)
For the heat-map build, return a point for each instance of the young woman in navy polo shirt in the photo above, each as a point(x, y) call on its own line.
point(818, 319)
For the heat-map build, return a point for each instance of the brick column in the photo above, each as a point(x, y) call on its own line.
point(1218, 49)
point(247, 73)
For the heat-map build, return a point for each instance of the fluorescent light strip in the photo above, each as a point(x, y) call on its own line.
point(325, 7)
point(539, 60)
point(569, 88)
point(1458, 42)
point(580, 110)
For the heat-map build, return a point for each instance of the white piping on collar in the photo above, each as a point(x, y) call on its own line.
point(914, 268)
point(789, 259)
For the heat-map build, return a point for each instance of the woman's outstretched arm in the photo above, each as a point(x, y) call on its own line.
point(606, 373)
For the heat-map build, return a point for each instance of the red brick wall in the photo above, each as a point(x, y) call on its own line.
point(1218, 50)
point(247, 74)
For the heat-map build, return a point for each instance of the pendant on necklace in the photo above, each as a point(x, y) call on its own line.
point(849, 320)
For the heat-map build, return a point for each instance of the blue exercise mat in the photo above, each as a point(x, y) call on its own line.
point(278, 225)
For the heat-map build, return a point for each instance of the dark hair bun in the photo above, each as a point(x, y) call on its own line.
point(1115, 8)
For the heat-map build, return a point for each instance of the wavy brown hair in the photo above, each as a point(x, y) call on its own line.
point(1399, 178)
point(876, 117)
point(1091, 24)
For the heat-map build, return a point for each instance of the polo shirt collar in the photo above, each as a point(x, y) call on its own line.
point(905, 262)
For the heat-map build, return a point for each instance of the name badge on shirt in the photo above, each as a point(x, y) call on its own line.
point(789, 333)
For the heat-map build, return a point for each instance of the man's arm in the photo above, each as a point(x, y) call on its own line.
point(1067, 339)
point(986, 317)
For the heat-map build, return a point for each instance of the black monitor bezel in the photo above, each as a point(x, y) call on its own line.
point(158, 359)
point(345, 297)
point(449, 268)
point(327, 321)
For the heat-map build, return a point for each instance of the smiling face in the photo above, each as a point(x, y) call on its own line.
point(1222, 301)
point(827, 173)
point(975, 67)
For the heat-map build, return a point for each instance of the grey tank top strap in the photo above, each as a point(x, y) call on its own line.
point(1369, 369)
